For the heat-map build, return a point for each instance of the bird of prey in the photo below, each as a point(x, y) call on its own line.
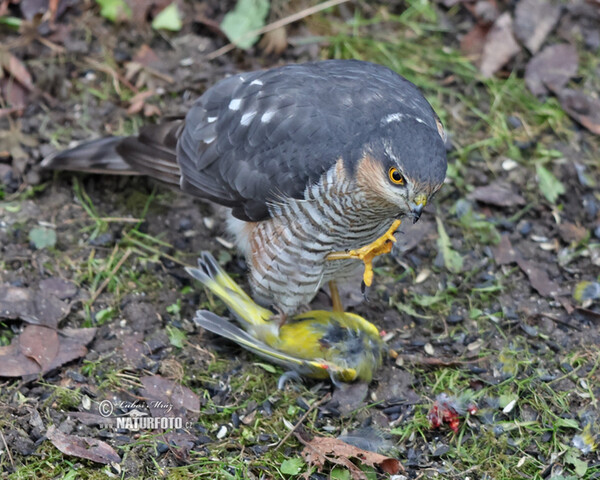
point(318, 162)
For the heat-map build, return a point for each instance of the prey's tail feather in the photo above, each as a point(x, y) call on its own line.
point(213, 277)
point(152, 152)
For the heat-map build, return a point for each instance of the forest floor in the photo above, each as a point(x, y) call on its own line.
point(484, 299)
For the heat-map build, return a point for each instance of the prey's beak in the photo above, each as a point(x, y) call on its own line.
point(417, 207)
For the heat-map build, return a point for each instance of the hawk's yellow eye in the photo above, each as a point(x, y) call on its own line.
point(395, 176)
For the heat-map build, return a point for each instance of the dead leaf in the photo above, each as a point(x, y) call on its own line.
point(145, 56)
point(582, 108)
point(534, 20)
point(505, 253)
point(13, 93)
point(472, 43)
point(31, 306)
point(14, 364)
point(538, 278)
point(321, 450)
point(73, 343)
point(571, 233)
point(500, 46)
point(58, 287)
point(16, 69)
point(40, 344)
point(31, 358)
point(166, 398)
point(82, 447)
point(274, 42)
point(498, 194)
point(551, 69)
point(138, 100)
point(151, 110)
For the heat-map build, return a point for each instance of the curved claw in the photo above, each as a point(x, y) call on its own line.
point(368, 253)
point(288, 377)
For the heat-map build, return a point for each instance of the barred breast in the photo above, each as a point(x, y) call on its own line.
point(287, 254)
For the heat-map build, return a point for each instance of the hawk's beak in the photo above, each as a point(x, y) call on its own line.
point(418, 206)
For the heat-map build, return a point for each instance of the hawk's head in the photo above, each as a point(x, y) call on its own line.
point(403, 164)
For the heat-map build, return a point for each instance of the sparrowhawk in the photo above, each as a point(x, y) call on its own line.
point(314, 160)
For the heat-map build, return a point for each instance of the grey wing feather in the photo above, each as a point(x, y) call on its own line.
point(256, 135)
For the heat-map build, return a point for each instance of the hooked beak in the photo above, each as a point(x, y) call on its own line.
point(417, 207)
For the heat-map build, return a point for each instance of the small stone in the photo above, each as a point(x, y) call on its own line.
point(454, 318)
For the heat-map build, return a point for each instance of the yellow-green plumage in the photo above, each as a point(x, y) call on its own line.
point(319, 343)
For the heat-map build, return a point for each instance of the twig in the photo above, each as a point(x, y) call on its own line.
point(312, 407)
point(275, 25)
point(12, 462)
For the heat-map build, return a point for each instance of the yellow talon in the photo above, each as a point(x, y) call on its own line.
point(367, 253)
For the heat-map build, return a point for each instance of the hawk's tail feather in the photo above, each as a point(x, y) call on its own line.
point(152, 153)
point(96, 156)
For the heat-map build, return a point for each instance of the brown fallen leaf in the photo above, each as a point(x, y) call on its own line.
point(534, 20)
point(583, 108)
point(571, 233)
point(274, 42)
point(138, 101)
point(31, 358)
point(58, 287)
point(14, 364)
point(37, 308)
point(166, 398)
point(538, 278)
point(552, 68)
point(321, 450)
point(40, 344)
point(13, 93)
point(145, 56)
point(498, 193)
point(16, 69)
point(82, 447)
point(472, 43)
point(505, 253)
point(500, 46)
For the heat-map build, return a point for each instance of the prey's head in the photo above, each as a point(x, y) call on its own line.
point(402, 165)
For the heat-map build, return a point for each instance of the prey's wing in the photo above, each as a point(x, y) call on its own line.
point(224, 328)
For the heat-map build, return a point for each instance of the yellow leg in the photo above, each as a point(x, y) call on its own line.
point(336, 301)
point(367, 253)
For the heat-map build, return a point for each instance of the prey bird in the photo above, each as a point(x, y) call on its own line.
point(341, 346)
